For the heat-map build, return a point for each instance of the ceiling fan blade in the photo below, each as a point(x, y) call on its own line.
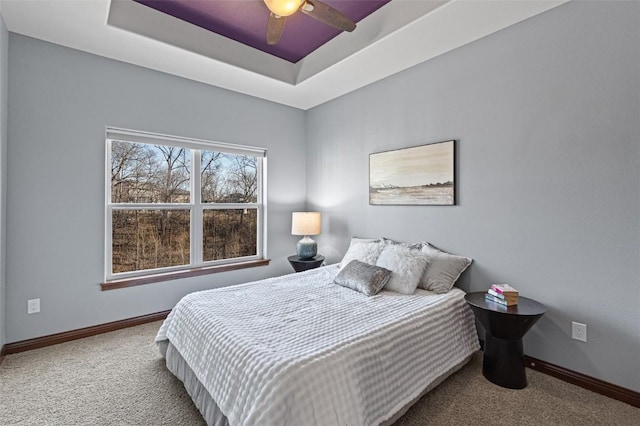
point(275, 28)
point(328, 15)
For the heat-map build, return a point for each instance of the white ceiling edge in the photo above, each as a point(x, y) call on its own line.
point(82, 25)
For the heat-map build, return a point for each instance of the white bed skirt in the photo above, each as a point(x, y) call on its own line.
point(210, 410)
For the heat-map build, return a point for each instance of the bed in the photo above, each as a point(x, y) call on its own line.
point(301, 350)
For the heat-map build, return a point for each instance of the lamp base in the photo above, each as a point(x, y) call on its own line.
point(306, 248)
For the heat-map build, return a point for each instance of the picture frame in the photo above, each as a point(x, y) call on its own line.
point(423, 175)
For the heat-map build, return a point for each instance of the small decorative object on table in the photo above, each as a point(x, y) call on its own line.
point(503, 294)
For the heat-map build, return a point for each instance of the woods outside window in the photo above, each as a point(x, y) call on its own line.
point(175, 203)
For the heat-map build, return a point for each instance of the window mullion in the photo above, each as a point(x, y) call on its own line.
point(261, 238)
point(196, 213)
point(156, 206)
point(108, 233)
point(109, 247)
point(235, 206)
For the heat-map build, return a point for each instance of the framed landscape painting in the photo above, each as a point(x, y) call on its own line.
point(422, 175)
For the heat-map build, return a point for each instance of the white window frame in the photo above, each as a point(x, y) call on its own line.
point(195, 206)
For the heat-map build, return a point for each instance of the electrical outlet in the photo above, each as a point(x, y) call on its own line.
point(579, 331)
point(33, 306)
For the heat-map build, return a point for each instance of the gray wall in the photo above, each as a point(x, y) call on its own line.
point(4, 50)
point(60, 101)
point(547, 116)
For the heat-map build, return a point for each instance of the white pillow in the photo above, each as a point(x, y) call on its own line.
point(365, 250)
point(443, 271)
point(406, 265)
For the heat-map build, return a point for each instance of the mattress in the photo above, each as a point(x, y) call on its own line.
point(301, 350)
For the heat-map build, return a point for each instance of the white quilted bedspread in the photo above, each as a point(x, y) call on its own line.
point(300, 350)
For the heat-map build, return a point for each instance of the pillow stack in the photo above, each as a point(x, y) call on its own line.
point(408, 266)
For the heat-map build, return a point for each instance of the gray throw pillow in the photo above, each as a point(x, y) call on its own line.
point(363, 277)
point(443, 271)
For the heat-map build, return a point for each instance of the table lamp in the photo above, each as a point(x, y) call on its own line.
point(306, 223)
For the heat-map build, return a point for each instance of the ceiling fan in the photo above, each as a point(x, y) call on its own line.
point(280, 9)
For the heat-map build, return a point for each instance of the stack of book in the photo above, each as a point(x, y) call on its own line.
point(503, 294)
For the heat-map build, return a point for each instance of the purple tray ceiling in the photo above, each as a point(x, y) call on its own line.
point(246, 22)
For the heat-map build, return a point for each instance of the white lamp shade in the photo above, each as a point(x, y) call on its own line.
point(306, 223)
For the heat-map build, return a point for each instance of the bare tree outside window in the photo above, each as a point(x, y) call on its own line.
point(150, 239)
point(131, 169)
point(142, 173)
point(172, 177)
point(228, 178)
point(210, 176)
point(229, 233)
point(242, 179)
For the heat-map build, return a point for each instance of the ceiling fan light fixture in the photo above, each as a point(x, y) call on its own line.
point(283, 7)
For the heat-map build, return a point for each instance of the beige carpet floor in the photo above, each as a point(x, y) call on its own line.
point(119, 378)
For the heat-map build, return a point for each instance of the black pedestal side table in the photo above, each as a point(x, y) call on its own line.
point(505, 326)
point(300, 265)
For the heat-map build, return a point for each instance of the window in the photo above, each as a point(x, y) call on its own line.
point(176, 203)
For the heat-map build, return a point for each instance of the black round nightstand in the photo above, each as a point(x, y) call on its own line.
point(505, 326)
point(300, 265)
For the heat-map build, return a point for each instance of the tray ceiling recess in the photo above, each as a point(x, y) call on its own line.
point(246, 22)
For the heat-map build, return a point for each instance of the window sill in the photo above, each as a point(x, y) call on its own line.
point(186, 273)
